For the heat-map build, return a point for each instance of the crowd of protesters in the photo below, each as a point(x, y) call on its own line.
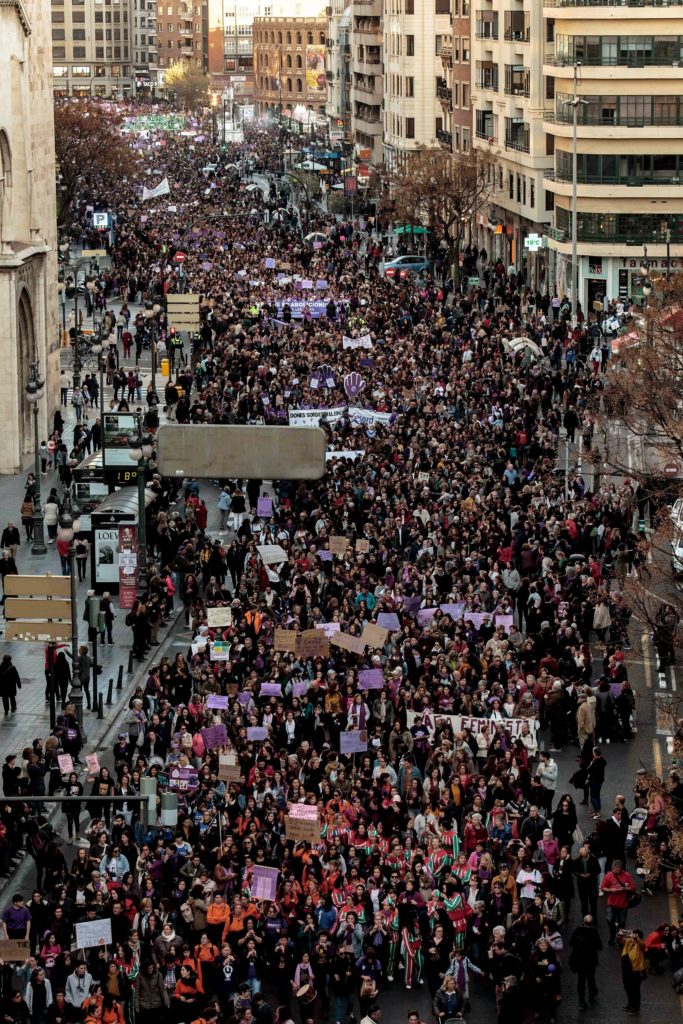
point(448, 857)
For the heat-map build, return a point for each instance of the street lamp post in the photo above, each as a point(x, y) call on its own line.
point(97, 351)
point(575, 102)
point(647, 291)
point(151, 313)
point(140, 451)
point(35, 390)
point(69, 526)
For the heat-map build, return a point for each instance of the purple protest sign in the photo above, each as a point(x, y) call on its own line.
point(411, 605)
point(243, 698)
point(353, 741)
point(454, 610)
point(271, 690)
point(371, 679)
point(264, 883)
point(321, 285)
point(299, 689)
point(269, 263)
point(505, 621)
point(215, 736)
point(388, 620)
point(317, 245)
point(207, 265)
point(425, 615)
point(353, 384)
point(182, 780)
point(264, 507)
point(216, 700)
point(257, 732)
point(324, 555)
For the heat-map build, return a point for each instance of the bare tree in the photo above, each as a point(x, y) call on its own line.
point(441, 191)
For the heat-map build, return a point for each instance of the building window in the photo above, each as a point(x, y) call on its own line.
point(59, 53)
point(299, 85)
point(59, 71)
point(410, 86)
point(58, 34)
point(465, 140)
point(438, 125)
point(79, 52)
point(511, 185)
point(58, 17)
point(81, 71)
point(410, 127)
point(442, 7)
point(410, 7)
point(79, 34)
point(78, 17)
point(438, 45)
point(465, 95)
point(465, 50)
point(549, 200)
point(532, 193)
point(99, 53)
point(410, 46)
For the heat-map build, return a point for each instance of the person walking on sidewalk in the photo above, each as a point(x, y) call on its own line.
point(9, 684)
point(107, 606)
point(26, 511)
point(10, 539)
point(633, 967)
point(618, 885)
point(84, 666)
point(585, 945)
point(8, 567)
point(595, 779)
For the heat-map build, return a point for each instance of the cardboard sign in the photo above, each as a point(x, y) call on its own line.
point(348, 642)
point(93, 764)
point(271, 690)
point(217, 617)
point(264, 508)
point(389, 620)
point(93, 933)
point(12, 950)
point(504, 620)
point(338, 545)
point(302, 830)
point(371, 679)
point(375, 636)
point(284, 640)
point(217, 700)
point(363, 546)
point(353, 741)
point(215, 736)
point(66, 764)
point(228, 768)
point(264, 883)
point(328, 628)
point(313, 643)
point(257, 733)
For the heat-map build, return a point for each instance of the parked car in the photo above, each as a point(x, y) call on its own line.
point(402, 266)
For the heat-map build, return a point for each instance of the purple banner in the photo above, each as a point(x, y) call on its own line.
point(215, 736)
point(388, 620)
point(371, 679)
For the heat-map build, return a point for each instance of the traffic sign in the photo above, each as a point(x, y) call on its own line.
point(671, 469)
point(180, 257)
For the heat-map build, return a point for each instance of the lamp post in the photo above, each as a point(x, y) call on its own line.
point(140, 451)
point(35, 390)
point(97, 351)
point(214, 104)
point(69, 526)
point(151, 314)
point(647, 291)
point(575, 102)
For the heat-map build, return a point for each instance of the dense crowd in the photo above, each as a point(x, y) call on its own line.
point(441, 852)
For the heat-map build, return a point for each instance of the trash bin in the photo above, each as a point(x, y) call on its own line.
point(165, 367)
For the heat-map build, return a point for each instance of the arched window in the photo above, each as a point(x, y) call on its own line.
point(299, 85)
point(299, 62)
point(310, 38)
point(298, 38)
point(289, 37)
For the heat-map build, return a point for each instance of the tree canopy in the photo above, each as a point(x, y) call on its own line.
point(88, 143)
point(189, 83)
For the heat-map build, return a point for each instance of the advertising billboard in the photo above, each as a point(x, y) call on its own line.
point(315, 69)
point(117, 430)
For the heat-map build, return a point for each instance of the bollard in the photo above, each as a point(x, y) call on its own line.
point(110, 692)
point(130, 662)
point(119, 679)
point(100, 707)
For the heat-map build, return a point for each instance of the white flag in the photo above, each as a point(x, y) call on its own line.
point(161, 189)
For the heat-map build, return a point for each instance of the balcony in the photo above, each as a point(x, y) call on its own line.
point(619, 60)
point(367, 120)
point(445, 138)
point(517, 81)
point(518, 140)
point(372, 90)
point(614, 181)
point(485, 137)
point(444, 94)
point(446, 55)
point(612, 3)
point(517, 27)
point(638, 239)
point(486, 76)
point(368, 30)
point(616, 121)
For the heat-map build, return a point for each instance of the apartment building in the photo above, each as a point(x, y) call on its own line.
point(231, 48)
point(367, 85)
point(454, 89)
point(290, 63)
point(93, 48)
point(145, 46)
point(508, 98)
point(182, 33)
point(414, 34)
point(629, 63)
point(338, 106)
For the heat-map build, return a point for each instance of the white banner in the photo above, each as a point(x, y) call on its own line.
point(351, 455)
point(364, 416)
point(475, 725)
point(162, 189)
point(365, 341)
point(312, 417)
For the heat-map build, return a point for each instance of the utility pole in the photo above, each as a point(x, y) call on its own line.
point(574, 103)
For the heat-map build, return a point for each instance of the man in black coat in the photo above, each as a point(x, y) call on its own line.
point(9, 684)
point(585, 945)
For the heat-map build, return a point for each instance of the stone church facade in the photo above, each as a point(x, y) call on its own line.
point(28, 251)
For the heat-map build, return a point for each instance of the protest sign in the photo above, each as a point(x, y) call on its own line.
point(66, 764)
point(257, 733)
point(284, 640)
point(375, 636)
point(214, 736)
point(325, 556)
point(363, 546)
point(271, 690)
point(478, 619)
point(365, 341)
point(411, 605)
point(302, 830)
point(475, 725)
point(182, 780)
point(228, 768)
point(217, 700)
point(264, 507)
point(353, 741)
point(425, 616)
point(371, 679)
point(351, 455)
point(264, 883)
point(243, 697)
point(272, 554)
point(299, 689)
point(328, 628)
point(93, 933)
point(13, 950)
point(388, 620)
point(199, 646)
point(455, 610)
point(338, 545)
point(220, 651)
point(504, 620)
point(217, 617)
point(348, 642)
point(423, 477)
point(92, 763)
point(313, 643)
